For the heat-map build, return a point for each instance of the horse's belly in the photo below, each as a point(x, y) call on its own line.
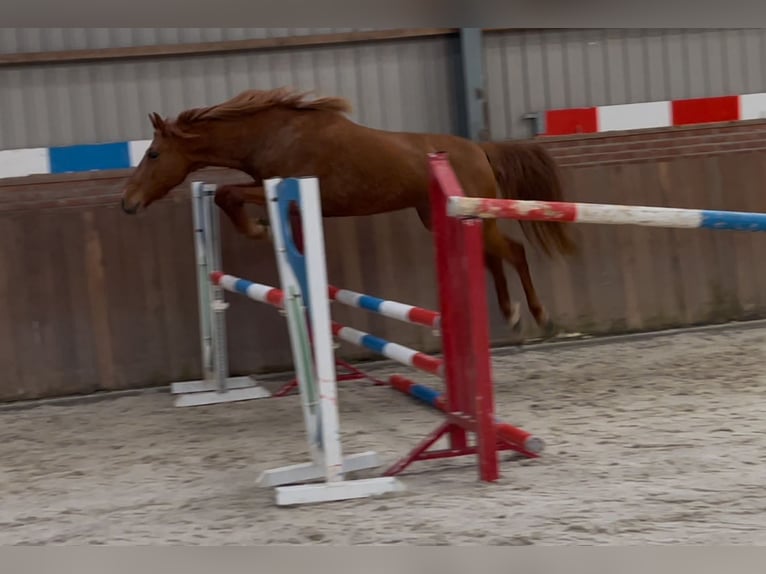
point(350, 198)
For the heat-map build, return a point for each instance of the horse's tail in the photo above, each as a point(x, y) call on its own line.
point(525, 170)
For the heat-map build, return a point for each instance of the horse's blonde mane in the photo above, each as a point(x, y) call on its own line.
point(251, 101)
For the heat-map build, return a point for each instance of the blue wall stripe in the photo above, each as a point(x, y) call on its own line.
point(89, 157)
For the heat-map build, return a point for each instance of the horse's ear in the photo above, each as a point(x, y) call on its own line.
point(157, 122)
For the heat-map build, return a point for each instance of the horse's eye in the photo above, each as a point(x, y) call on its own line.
point(151, 154)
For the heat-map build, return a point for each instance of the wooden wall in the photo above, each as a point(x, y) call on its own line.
point(93, 299)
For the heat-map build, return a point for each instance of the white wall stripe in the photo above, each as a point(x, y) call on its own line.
point(634, 116)
point(136, 151)
point(23, 162)
point(752, 106)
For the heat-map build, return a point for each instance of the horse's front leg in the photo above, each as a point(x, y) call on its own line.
point(232, 199)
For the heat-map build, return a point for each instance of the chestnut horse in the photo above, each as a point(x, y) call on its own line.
point(361, 171)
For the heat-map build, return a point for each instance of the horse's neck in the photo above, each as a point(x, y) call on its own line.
point(228, 145)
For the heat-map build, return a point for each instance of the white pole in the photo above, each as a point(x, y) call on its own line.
point(294, 308)
point(316, 272)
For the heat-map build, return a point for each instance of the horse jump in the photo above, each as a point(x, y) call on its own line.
point(510, 437)
point(521, 440)
point(467, 403)
point(468, 400)
point(216, 385)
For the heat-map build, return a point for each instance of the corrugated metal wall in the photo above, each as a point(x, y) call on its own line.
point(534, 70)
point(396, 85)
point(18, 40)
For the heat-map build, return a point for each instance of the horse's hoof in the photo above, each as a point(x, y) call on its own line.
point(517, 325)
point(549, 329)
point(515, 319)
point(260, 232)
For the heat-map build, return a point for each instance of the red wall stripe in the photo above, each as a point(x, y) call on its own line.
point(573, 121)
point(703, 110)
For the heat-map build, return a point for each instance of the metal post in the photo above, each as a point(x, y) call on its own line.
point(473, 91)
point(217, 305)
point(203, 283)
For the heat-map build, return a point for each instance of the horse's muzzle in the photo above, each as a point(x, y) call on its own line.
point(130, 210)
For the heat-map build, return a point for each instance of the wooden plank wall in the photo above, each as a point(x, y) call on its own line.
point(92, 299)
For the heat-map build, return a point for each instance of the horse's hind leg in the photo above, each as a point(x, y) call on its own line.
point(232, 199)
point(511, 311)
point(494, 264)
point(499, 245)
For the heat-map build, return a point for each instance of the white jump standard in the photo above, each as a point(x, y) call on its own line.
point(304, 300)
point(216, 386)
point(304, 284)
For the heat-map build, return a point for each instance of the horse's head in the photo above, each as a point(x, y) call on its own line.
point(165, 165)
